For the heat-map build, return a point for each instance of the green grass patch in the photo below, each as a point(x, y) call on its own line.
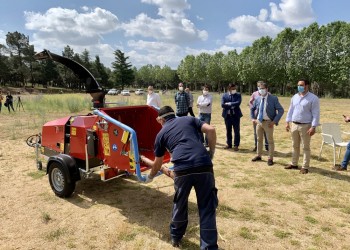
point(281, 234)
point(55, 234)
point(245, 233)
point(37, 174)
point(311, 220)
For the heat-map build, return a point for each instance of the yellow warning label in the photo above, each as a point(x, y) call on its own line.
point(62, 147)
point(73, 131)
point(105, 141)
point(125, 137)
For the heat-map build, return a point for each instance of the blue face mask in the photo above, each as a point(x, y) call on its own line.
point(301, 89)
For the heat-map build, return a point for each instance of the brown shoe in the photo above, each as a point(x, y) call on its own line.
point(235, 148)
point(339, 168)
point(291, 167)
point(304, 171)
point(257, 158)
point(269, 162)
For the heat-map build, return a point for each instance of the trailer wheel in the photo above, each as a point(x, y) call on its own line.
point(58, 177)
point(39, 165)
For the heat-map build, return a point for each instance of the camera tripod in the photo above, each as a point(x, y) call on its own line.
point(19, 104)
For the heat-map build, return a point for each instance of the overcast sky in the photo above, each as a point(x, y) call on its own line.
point(159, 32)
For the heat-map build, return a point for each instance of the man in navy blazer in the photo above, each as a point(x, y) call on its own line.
point(266, 112)
point(231, 112)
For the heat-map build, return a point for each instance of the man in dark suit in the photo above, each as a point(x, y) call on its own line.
point(266, 112)
point(231, 112)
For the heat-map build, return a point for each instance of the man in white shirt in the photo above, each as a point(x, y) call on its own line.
point(153, 99)
point(204, 104)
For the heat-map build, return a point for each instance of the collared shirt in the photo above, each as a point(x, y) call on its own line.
point(304, 109)
point(182, 102)
point(154, 100)
point(204, 103)
point(265, 117)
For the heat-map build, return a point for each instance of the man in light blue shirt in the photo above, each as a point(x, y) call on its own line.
point(304, 117)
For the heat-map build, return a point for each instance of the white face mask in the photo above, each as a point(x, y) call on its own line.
point(205, 92)
point(233, 92)
point(181, 88)
point(262, 92)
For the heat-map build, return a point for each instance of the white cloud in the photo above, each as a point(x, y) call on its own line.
point(293, 12)
point(224, 49)
point(249, 28)
point(155, 53)
point(263, 15)
point(67, 26)
point(172, 26)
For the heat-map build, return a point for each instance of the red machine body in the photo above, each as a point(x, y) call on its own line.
point(93, 139)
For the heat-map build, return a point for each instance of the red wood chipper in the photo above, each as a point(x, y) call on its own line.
point(109, 141)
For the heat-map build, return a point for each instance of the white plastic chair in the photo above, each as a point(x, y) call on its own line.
point(331, 135)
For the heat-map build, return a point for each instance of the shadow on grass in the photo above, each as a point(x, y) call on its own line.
point(140, 204)
point(330, 173)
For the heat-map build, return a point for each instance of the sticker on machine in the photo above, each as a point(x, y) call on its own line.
point(114, 147)
point(106, 146)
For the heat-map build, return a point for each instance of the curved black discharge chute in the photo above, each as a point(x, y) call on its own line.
point(91, 85)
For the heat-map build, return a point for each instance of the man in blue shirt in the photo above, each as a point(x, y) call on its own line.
point(193, 167)
point(304, 116)
point(232, 114)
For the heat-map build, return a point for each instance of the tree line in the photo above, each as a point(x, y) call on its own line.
point(318, 53)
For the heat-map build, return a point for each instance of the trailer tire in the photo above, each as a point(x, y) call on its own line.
point(58, 178)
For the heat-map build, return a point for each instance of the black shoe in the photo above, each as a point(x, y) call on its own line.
point(227, 147)
point(270, 162)
point(267, 148)
point(257, 158)
point(175, 242)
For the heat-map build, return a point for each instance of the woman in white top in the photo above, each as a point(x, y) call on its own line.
point(204, 104)
point(153, 99)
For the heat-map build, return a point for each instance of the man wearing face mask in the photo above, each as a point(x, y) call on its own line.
point(251, 102)
point(182, 101)
point(231, 112)
point(193, 167)
point(153, 99)
point(265, 113)
point(204, 104)
point(302, 119)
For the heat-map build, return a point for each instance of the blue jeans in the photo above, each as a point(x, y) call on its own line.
point(346, 158)
point(205, 117)
point(207, 201)
point(233, 121)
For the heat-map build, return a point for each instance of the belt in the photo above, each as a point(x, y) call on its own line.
point(301, 122)
point(205, 169)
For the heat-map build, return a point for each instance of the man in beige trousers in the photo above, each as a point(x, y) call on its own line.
point(304, 117)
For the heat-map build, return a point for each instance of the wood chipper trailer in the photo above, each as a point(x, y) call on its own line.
point(108, 141)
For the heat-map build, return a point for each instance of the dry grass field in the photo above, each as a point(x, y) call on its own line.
point(260, 206)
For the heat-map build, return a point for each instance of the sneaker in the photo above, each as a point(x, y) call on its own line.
point(291, 167)
point(270, 162)
point(257, 158)
point(175, 242)
point(235, 148)
point(339, 168)
point(304, 171)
